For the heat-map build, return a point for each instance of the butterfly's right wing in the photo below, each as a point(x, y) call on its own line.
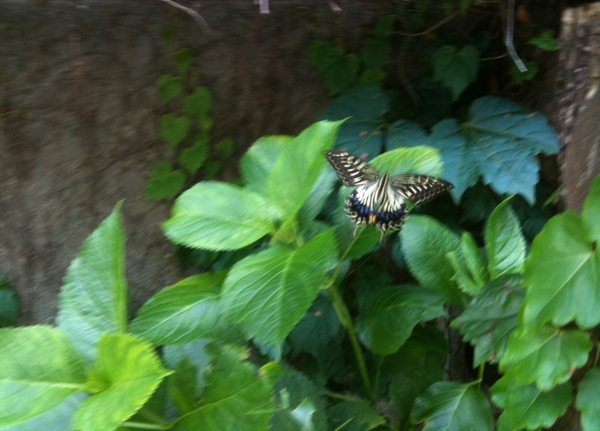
point(353, 171)
point(419, 188)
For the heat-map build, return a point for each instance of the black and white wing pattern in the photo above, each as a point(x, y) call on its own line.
point(379, 199)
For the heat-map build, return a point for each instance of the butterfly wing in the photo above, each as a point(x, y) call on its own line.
point(419, 188)
point(353, 171)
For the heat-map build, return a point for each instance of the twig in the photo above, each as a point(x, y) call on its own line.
point(197, 17)
point(433, 27)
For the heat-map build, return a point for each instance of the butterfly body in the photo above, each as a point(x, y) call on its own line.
point(380, 199)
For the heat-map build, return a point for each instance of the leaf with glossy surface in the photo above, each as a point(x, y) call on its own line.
point(450, 406)
point(93, 299)
point(219, 216)
point(546, 356)
point(504, 241)
point(587, 400)
point(390, 314)
point(257, 163)
point(528, 407)
point(490, 318)
point(269, 292)
point(36, 363)
point(182, 312)
point(126, 373)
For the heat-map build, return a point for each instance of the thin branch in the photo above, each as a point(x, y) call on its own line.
point(508, 38)
point(197, 17)
point(433, 27)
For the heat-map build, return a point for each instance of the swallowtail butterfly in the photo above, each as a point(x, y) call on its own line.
point(381, 199)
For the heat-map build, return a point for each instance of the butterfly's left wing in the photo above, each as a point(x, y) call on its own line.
point(353, 171)
point(419, 188)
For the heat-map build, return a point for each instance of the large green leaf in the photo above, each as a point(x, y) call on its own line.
point(451, 406)
point(354, 415)
point(587, 400)
point(416, 160)
point(499, 142)
point(363, 109)
point(39, 369)
point(546, 356)
point(456, 68)
point(405, 133)
point(269, 292)
point(425, 244)
point(528, 407)
point(504, 241)
point(234, 397)
point(470, 272)
point(257, 163)
point(126, 373)
point(562, 273)
point(93, 299)
point(219, 216)
point(182, 312)
point(298, 166)
point(390, 314)
point(490, 318)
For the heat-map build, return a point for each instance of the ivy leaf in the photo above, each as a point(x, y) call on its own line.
point(93, 299)
point(546, 356)
point(587, 400)
point(499, 142)
point(528, 407)
point(504, 241)
point(591, 211)
point(173, 129)
point(453, 406)
point(375, 52)
point(183, 60)
point(389, 315)
point(362, 109)
point(126, 373)
point(36, 363)
point(456, 69)
point(192, 158)
point(169, 87)
point(199, 102)
point(9, 304)
point(545, 41)
point(219, 216)
point(425, 244)
point(234, 394)
point(269, 292)
point(182, 312)
point(490, 318)
point(164, 182)
point(562, 272)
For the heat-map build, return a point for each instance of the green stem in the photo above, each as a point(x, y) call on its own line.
point(346, 319)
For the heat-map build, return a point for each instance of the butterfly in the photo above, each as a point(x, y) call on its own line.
point(381, 199)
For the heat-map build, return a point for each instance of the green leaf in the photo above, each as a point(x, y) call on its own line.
point(527, 407)
point(233, 395)
point(491, 317)
point(389, 315)
point(225, 148)
point(190, 362)
point(499, 142)
point(257, 163)
point(456, 69)
point(453, 406)
point(587, 400)
point(56, 419)
point(546, 356)
point(169, 87)
point(354, 415)
point(298, 166)
point(425, 243)
point(193, 158)
point(375, 52)
point(183, 59)
point(93, 299)
point(362, 109)
point(504, 241)
point(339, 69)
point(182, 312)
point(9, 304)
point(219, 216)
point(173, 129)
point(469, 266)
point(199, 102)
point(126, 373)
point(36, 363)
point(591, 211)
point(164, 182)
point(405, 133)
point(562, 273)
point(415, 160)
point(545, 41)
point(269, 292)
